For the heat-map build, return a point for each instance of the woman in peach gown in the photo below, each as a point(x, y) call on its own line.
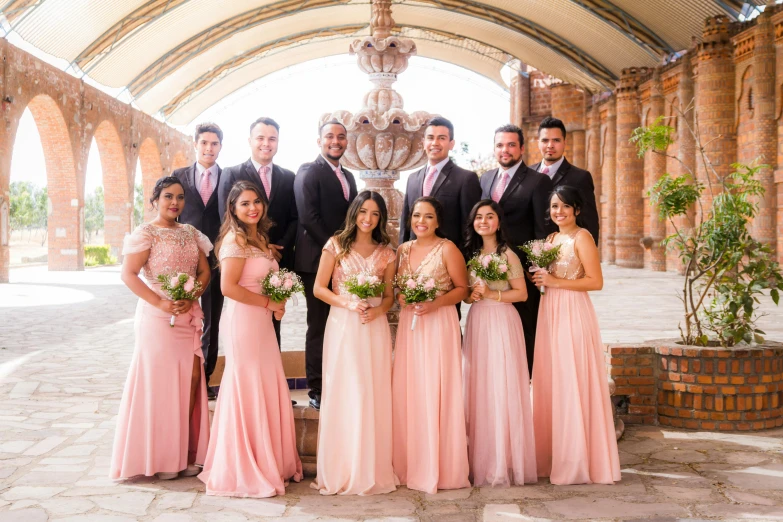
point(501, 444)
point(252, 452)
point(430, 450)
point(163, 420)
point(354, 433)
point(572, 412)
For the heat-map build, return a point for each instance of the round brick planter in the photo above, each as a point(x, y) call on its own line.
point(666, 383)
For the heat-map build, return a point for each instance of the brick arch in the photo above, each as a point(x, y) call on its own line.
point(66, 202)
point(117, 189)
point(151, 171)
point(180, 160)
point(744, 122)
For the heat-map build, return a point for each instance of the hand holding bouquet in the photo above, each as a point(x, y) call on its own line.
point(488, 267)
point(280, 285)
point(540, 254)
point(416, 290)
point(179, 287)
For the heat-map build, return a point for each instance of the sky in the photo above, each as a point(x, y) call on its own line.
point(296, 98)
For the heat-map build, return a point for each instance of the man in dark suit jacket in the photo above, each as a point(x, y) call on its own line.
point(523, 194)
point(323, 191)
point(455, 188)
point(551, 143)
point(276, 185)
point(201, 181)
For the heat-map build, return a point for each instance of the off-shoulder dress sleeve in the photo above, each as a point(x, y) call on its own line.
point(203, 242)
point(515, 268)
point(138, 241)
point(230, 248)
point(332, 247)
point(388, 255)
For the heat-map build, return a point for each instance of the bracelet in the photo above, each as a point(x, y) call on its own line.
point(267, 302)
point(499, 296)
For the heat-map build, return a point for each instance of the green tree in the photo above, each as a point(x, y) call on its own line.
point(93, 212)
point(138, 205)
point(22, 205)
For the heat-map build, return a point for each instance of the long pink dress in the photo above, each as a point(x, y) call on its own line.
point(430, 449)
point(354, 434)
point(154, 433)
point(572, 415)
point(501, 444)
point(252, 452)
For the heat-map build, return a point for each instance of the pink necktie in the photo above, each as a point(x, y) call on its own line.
point(429, 181)
point(206, 187)
point(341, 178)
point(500, 187)
point(264, 173)
point(545, 170)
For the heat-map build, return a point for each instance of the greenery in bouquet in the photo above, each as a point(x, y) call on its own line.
point(489, 267)
point(279, 285)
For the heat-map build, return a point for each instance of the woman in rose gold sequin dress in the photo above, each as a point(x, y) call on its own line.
point(430, 449)
point(252, 452)
point(163, 420)
point(354, 433)
point(572, 412)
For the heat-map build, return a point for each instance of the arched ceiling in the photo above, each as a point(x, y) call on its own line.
point(179, 57)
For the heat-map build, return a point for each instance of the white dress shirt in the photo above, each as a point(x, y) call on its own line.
point(511, 171)
point(553, 168)
point(258, 166)
point(438, 166)
point(213, 175)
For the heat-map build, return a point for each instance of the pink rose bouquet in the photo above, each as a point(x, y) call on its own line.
point(178, 287)
point(540, 254)
point(281, 284)
point(364, 285)
point(416, 290)
point(488, 267)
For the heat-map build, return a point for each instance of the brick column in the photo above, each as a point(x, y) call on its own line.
point(686, 144)
point(608, 181)
point(715, 103)
point(578, 148)
point(520, 95)
point(594, 155)
point(568, 104)
point(655, 166)
point(630, 173)
point(765, 125)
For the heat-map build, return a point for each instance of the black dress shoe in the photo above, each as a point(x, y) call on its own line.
point(212, 392)
point(315, 402)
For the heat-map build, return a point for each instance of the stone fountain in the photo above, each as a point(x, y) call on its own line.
point(383, 139)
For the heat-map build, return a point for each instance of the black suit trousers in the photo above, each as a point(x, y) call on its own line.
point(317, 315)
point(528, 312)
point(212, 305)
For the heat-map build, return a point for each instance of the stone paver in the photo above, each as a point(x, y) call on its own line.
point(64, 356)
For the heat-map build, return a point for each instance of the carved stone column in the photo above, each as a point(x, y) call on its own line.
point(656, 164)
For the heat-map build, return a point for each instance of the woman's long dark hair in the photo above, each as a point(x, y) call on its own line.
point(571, 197)
point(347, 236)
point(232, 224)
point(162, 183)
point(473, 241)
point(438, 213)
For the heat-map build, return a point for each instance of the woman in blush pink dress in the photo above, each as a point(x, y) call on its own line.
point(252, 452)
point(163, 421)
point(430, 450)
point(572, 413)
point(354, 433)
point(501, 444)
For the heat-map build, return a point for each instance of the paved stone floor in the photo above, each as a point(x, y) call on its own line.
point(66, 341)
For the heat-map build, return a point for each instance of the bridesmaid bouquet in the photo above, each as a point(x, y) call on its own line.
point(364, 285)
point(488, 267)
point(178, 287)
point(540, 254)
point(416, 290)
point(281, 284)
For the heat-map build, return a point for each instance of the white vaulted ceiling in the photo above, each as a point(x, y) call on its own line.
point(178, 57)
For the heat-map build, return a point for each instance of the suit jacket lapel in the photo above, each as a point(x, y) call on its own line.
point(194, 187)
point(442, 175)
point(561, 172)
point(277, 174)
point(213, 197)
point(516, 181)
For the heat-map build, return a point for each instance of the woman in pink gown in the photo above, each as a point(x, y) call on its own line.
point(572, 413)
point(163, 420)
point(252, 452)
point(501, 444)
point(354, 433)
point(430, 450)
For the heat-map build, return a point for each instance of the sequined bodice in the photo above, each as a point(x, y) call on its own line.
point(354, 263)
point(568, 265)
point(431, 266)
point(257, 263)
point(516, 270)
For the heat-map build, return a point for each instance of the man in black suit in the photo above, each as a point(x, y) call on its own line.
point(201, 181)
point(276, 185)
point(455, 188)
point(551, 143)
point(523, 194)
point(323, 191)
